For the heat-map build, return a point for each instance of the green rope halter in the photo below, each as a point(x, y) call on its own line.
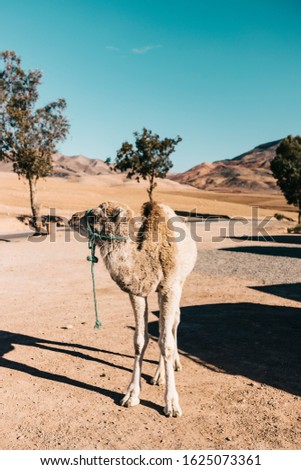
point(93, 259)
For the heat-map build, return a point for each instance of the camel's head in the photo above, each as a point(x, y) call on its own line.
point(106, 219)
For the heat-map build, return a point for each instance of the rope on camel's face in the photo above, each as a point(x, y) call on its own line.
point(92, 236)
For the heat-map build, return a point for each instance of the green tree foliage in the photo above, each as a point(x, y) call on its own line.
point(28, 135)
point(148, 159)
point(286, 168)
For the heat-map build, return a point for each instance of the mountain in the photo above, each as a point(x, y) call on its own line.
point(72, 167)
point(78, 165)
point(94, 172)
point(246, 173)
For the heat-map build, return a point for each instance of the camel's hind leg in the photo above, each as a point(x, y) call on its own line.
point(159, 377)
point(170, 299)
point(177, 363)
point(140, 308)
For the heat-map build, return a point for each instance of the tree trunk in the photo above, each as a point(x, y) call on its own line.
point(149, 192)
point(152, 185)
point(35, 207)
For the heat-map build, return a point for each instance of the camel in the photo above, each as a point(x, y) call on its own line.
point(154, 252)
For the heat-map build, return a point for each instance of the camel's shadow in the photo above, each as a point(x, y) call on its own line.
point(261, 342)
point(9, 340)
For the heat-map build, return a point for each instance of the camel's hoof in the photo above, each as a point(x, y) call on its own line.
point(129, 400)
point(172, 410)
point(177, 366)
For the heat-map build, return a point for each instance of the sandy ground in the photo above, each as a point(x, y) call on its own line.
point(61, 381)
point(67, 197)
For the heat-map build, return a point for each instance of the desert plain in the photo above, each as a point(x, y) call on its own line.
point(239, 340)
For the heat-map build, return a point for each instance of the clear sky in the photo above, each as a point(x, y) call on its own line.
point(223, 74)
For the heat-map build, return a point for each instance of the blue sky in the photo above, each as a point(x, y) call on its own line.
point(223, 74)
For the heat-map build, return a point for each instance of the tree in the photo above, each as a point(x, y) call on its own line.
point(28, 134)
point(286, 168)
point(148, 160)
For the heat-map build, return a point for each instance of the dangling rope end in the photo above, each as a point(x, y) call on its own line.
point(97, 325)
point(93, 259)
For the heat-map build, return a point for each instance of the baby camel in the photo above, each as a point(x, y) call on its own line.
point(154, 252)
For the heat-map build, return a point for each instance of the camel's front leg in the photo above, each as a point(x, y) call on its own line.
point(169, 307)
point(159, 377)
point(140, 343)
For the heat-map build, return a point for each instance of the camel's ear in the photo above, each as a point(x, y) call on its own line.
point(118, 214)
point(101, 211)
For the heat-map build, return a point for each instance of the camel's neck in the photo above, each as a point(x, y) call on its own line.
point(135, 270)
point(107, 247)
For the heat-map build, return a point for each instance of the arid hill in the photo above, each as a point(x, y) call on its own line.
point(72, 167)
point(77, 166)
point(246, 173)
